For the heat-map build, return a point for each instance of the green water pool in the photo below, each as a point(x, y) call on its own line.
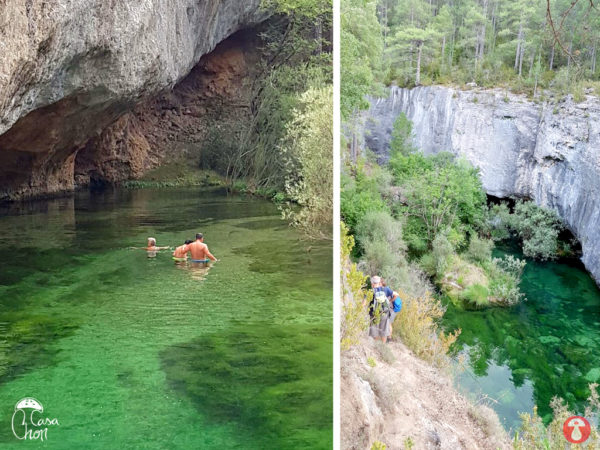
point(547, 346)
point(127, 351)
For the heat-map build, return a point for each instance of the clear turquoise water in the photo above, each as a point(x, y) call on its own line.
point(131, 352)
point(544, 347)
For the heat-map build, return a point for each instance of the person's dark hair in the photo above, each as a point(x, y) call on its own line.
point(199, 235)
point(188, 241)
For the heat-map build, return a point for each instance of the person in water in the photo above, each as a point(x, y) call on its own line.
point(151, 248)
point(199, 250)
point(152, 245)
point(180, 253)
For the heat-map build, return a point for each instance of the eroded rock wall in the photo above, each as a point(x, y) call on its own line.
point(549, 152)
point(69, 68)
point(175, 124)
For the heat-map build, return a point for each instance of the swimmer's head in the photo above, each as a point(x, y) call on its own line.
point(199, 236)
point(188, 241)
point(151, 241)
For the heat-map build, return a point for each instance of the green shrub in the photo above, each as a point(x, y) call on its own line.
point(377, 257)
point(308, 144)
point(505, 277)
point(381, 226)
point(406, 166)
point(499, 221)
point(429, 264)
point(355, 318)
point(357, 199)
point(440, 193)
point(239, 186)
point(538, 228)
point(378, 445)
point(417, 325)
point(442, 250)
point(279, 197)
point(402, 136)
point(511, 265)
point(480, 250)
point(476, 295)
point(415, 238)
point(383, 249)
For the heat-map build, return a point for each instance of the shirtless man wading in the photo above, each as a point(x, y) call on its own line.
point(199, 250)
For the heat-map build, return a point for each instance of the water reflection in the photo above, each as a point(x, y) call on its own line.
point(546, 345)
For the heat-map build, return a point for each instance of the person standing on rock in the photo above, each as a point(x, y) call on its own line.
point(381, 309)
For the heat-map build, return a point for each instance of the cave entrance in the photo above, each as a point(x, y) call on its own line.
point(565, 237)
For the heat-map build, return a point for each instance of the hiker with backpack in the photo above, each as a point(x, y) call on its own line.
point(395, 307)
point(383, 309)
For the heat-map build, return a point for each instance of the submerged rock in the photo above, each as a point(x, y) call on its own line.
point(522, 149)
point(549, 340)
point(593, 375)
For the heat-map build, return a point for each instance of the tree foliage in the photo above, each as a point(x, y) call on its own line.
point(522, 42)
point(359, 195)
point(360, 53)
point(538, 228)
point(439, 193)
point(286, 143)
point(355, 319)
point(307, 149)
point(402, 136)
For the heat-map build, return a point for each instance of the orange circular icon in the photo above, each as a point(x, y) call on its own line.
point(576, 429)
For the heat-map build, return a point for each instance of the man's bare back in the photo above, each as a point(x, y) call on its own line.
point(199, 250)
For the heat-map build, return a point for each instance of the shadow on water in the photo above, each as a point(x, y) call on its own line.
point(256, 379)
point(27, 342)
point(281, 258)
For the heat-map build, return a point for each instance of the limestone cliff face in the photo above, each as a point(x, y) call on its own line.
point(548, 152)
point(69, 68)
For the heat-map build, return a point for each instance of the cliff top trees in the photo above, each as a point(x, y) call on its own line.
point(360, 53)
point(522, 43)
